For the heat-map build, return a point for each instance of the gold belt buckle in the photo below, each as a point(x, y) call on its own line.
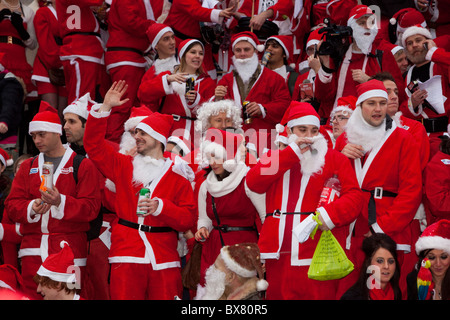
point(10, 40)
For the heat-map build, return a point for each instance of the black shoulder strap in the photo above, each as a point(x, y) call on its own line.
point(291, 81)
point(217, 218)
point(76, 164)
point(380, 58)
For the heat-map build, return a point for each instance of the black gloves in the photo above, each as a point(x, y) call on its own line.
point(17, 22)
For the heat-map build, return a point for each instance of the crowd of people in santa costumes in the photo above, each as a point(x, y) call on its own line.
point(184, 149)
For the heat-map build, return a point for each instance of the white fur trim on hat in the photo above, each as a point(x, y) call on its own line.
point(413, 31)
point(149, 130)
point(159, 35)
point(234, 266)
point(370, 94)
point(35, 126)
point(306, 120)
point(259, 47)
point(286, 51)
point(180, 143)
point(183, 49)
point(133, 122)
point(57, 276)
point(434, 242)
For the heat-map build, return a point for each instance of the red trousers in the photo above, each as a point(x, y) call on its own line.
point(81, 77)
point(132, 76)
point(134, 281)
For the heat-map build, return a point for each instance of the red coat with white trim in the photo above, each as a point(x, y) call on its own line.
point(271, 92)
point(80, 203)
point(47, 28)
point(77, 16)
point(278, 174)
point(128, 20)
point(175, 192)
point(153, 90)
point(394, 166)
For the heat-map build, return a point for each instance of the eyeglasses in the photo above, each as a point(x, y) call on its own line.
point(339, 118)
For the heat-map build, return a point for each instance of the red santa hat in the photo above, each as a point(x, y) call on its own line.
point(59, 266)
point(5, 158)
point(358, 12)
point(81, 107)
point(155, 33)
point(314, 37)
point(370, 89)
point(47, 119)
point(158, 126)
point(435, 236)
point(244, 260)
point(300, 113)
point(137, 115)
point(224, 145)
point(247, 36)
point(10, 278)
point(183, 143)
point(185, 44)
point(407, 17)
point(415, 30)
point(345, 104)
point(286, 42)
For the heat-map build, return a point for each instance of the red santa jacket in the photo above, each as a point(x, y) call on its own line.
point(436, 187)
point(278, 174)
point(47, 32)
point(80, 30)
point(173, 190)
point(128, 20)
point(271, 92)
point(80, 203)
point(393, 165)
point(152, 91)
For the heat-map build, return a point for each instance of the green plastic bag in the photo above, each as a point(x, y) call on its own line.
point(329, 261)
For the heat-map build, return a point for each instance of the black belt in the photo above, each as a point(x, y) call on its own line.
point(278, 213)
point(12, 40)
point(177, 117)
point(83, 33)
point(183, 36)
point(139, 52)
point(225, 228)
point(438, 124)
point(143, 227)
point(377, 193)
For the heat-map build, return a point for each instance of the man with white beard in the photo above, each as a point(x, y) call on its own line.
point(237, 274)
point(361, 61)
point(293, 179)
point(144, 259)
point(387, 165)
point(265, 91)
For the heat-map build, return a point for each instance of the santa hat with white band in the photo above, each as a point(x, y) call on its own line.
point(155, 33)
point(59, 266)
point(158, 126)
point(137, 115)
point(435, 236)
point(370, 89)
point(249, 37)
point(81, 107)
point(47, 119)
point(300, 113)
point(185, 44)
point(358, 12)
point(5, 158)
point(415, 30)
point(244, 260)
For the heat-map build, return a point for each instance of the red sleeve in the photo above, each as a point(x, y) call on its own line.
point(133, 20)
point(153, 89)
point(437, 186)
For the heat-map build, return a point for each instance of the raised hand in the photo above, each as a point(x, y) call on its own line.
point(114, 95)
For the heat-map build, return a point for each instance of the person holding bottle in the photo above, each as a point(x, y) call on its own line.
point(293, 180)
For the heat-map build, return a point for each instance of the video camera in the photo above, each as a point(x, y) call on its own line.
point(336, 41)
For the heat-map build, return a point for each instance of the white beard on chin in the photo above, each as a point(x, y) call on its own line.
point(364, 42)
point(246, 67)
point(362, 133)
point(127, 142)
point(162, 65)
point(215, 284)
point(312, 162)
point(146, 169)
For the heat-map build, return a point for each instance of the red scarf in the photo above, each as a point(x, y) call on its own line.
point(380, 294)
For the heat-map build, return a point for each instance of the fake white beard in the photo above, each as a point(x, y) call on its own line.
point(364, 42)
point(246, 67)
point(215, 284)
point(127, 142)
point(312, 162)
point(362, 133)
point(146, 169)
point(162, 65)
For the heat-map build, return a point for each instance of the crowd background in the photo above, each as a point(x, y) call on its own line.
point(248, 61)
